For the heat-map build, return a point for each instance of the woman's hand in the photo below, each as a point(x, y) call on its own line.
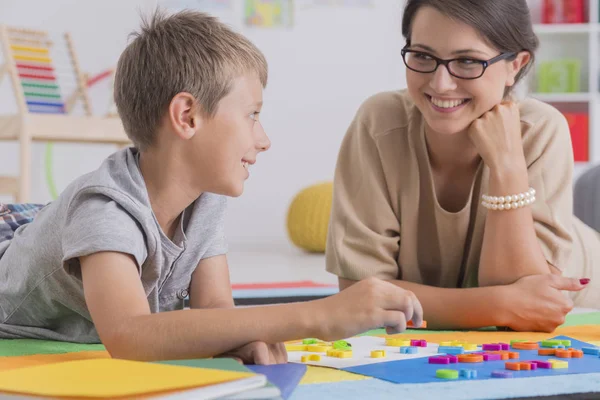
point(497, 137)
point(537, 302)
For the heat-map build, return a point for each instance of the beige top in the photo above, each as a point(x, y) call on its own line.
point(386, 220)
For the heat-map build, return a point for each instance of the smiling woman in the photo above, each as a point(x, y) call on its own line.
point(455, 190)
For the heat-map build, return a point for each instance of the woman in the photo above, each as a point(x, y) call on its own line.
point(423, 179)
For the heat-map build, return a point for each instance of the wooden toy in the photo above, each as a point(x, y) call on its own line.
point(44, 111)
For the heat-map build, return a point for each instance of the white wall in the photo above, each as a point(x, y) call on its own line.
point(321, 69)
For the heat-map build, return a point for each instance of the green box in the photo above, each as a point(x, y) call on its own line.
point(559, 76)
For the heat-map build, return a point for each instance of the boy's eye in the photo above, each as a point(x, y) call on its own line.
point(254, 115)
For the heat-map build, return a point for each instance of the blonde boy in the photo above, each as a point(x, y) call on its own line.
point(114, 257)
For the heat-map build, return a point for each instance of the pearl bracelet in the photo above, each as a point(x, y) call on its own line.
point(509, 202)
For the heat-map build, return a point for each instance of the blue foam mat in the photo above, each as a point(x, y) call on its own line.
point(450, 390)
point(420, 371)
point(285, 376)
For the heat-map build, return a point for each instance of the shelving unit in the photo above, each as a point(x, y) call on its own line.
point(580, 41)
point(580, 97)
point(549, 29)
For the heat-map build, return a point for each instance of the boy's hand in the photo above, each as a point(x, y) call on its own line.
point(259, 353)
point(537, 303)
point(368, 304)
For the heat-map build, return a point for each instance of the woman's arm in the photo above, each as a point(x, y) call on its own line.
point(514, 240)
point(454, 308)
point(533, 303)
point(510, 247)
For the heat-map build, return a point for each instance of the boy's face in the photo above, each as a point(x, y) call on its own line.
point(226, 145)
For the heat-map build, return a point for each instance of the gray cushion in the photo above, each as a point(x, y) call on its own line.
point(586, 200)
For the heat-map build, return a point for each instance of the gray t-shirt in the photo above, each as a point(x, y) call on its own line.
point(41, 291)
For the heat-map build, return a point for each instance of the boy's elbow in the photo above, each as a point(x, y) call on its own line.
point(122, 344)
point(119, 346)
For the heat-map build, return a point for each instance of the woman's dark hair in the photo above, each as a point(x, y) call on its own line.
point(505, 24)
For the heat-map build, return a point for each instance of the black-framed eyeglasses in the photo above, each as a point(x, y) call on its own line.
point(462, 67)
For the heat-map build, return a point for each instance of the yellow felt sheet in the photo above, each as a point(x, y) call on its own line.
point(101, 378)
point(7, 363)
point(328, 375)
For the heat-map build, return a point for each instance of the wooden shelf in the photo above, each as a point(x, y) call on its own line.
point(64, 128)
point(549, 29)
point(581, 97)
point(579, 41)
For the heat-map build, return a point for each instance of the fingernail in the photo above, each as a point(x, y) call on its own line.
point(584, 281)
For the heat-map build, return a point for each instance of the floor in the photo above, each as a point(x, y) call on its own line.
point(252, 263)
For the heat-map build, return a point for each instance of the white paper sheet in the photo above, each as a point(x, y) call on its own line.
point(361, 353)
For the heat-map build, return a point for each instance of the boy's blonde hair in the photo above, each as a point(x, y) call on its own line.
point(188, 51)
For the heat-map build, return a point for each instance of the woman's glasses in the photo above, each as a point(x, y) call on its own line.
point(462, 68)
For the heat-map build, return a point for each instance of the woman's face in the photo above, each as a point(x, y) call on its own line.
point(450, 104)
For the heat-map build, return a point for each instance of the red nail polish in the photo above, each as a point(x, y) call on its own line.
point(584, 281)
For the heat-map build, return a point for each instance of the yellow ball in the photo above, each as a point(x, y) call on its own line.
point(308, 217)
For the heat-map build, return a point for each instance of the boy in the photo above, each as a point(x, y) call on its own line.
point(114, 257)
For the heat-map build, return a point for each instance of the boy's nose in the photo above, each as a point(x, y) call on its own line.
point(263, 143)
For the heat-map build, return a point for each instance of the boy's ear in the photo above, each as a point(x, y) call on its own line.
point(183, 115)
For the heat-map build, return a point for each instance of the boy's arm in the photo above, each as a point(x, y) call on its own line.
point(119, 309)
point(211, 287)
